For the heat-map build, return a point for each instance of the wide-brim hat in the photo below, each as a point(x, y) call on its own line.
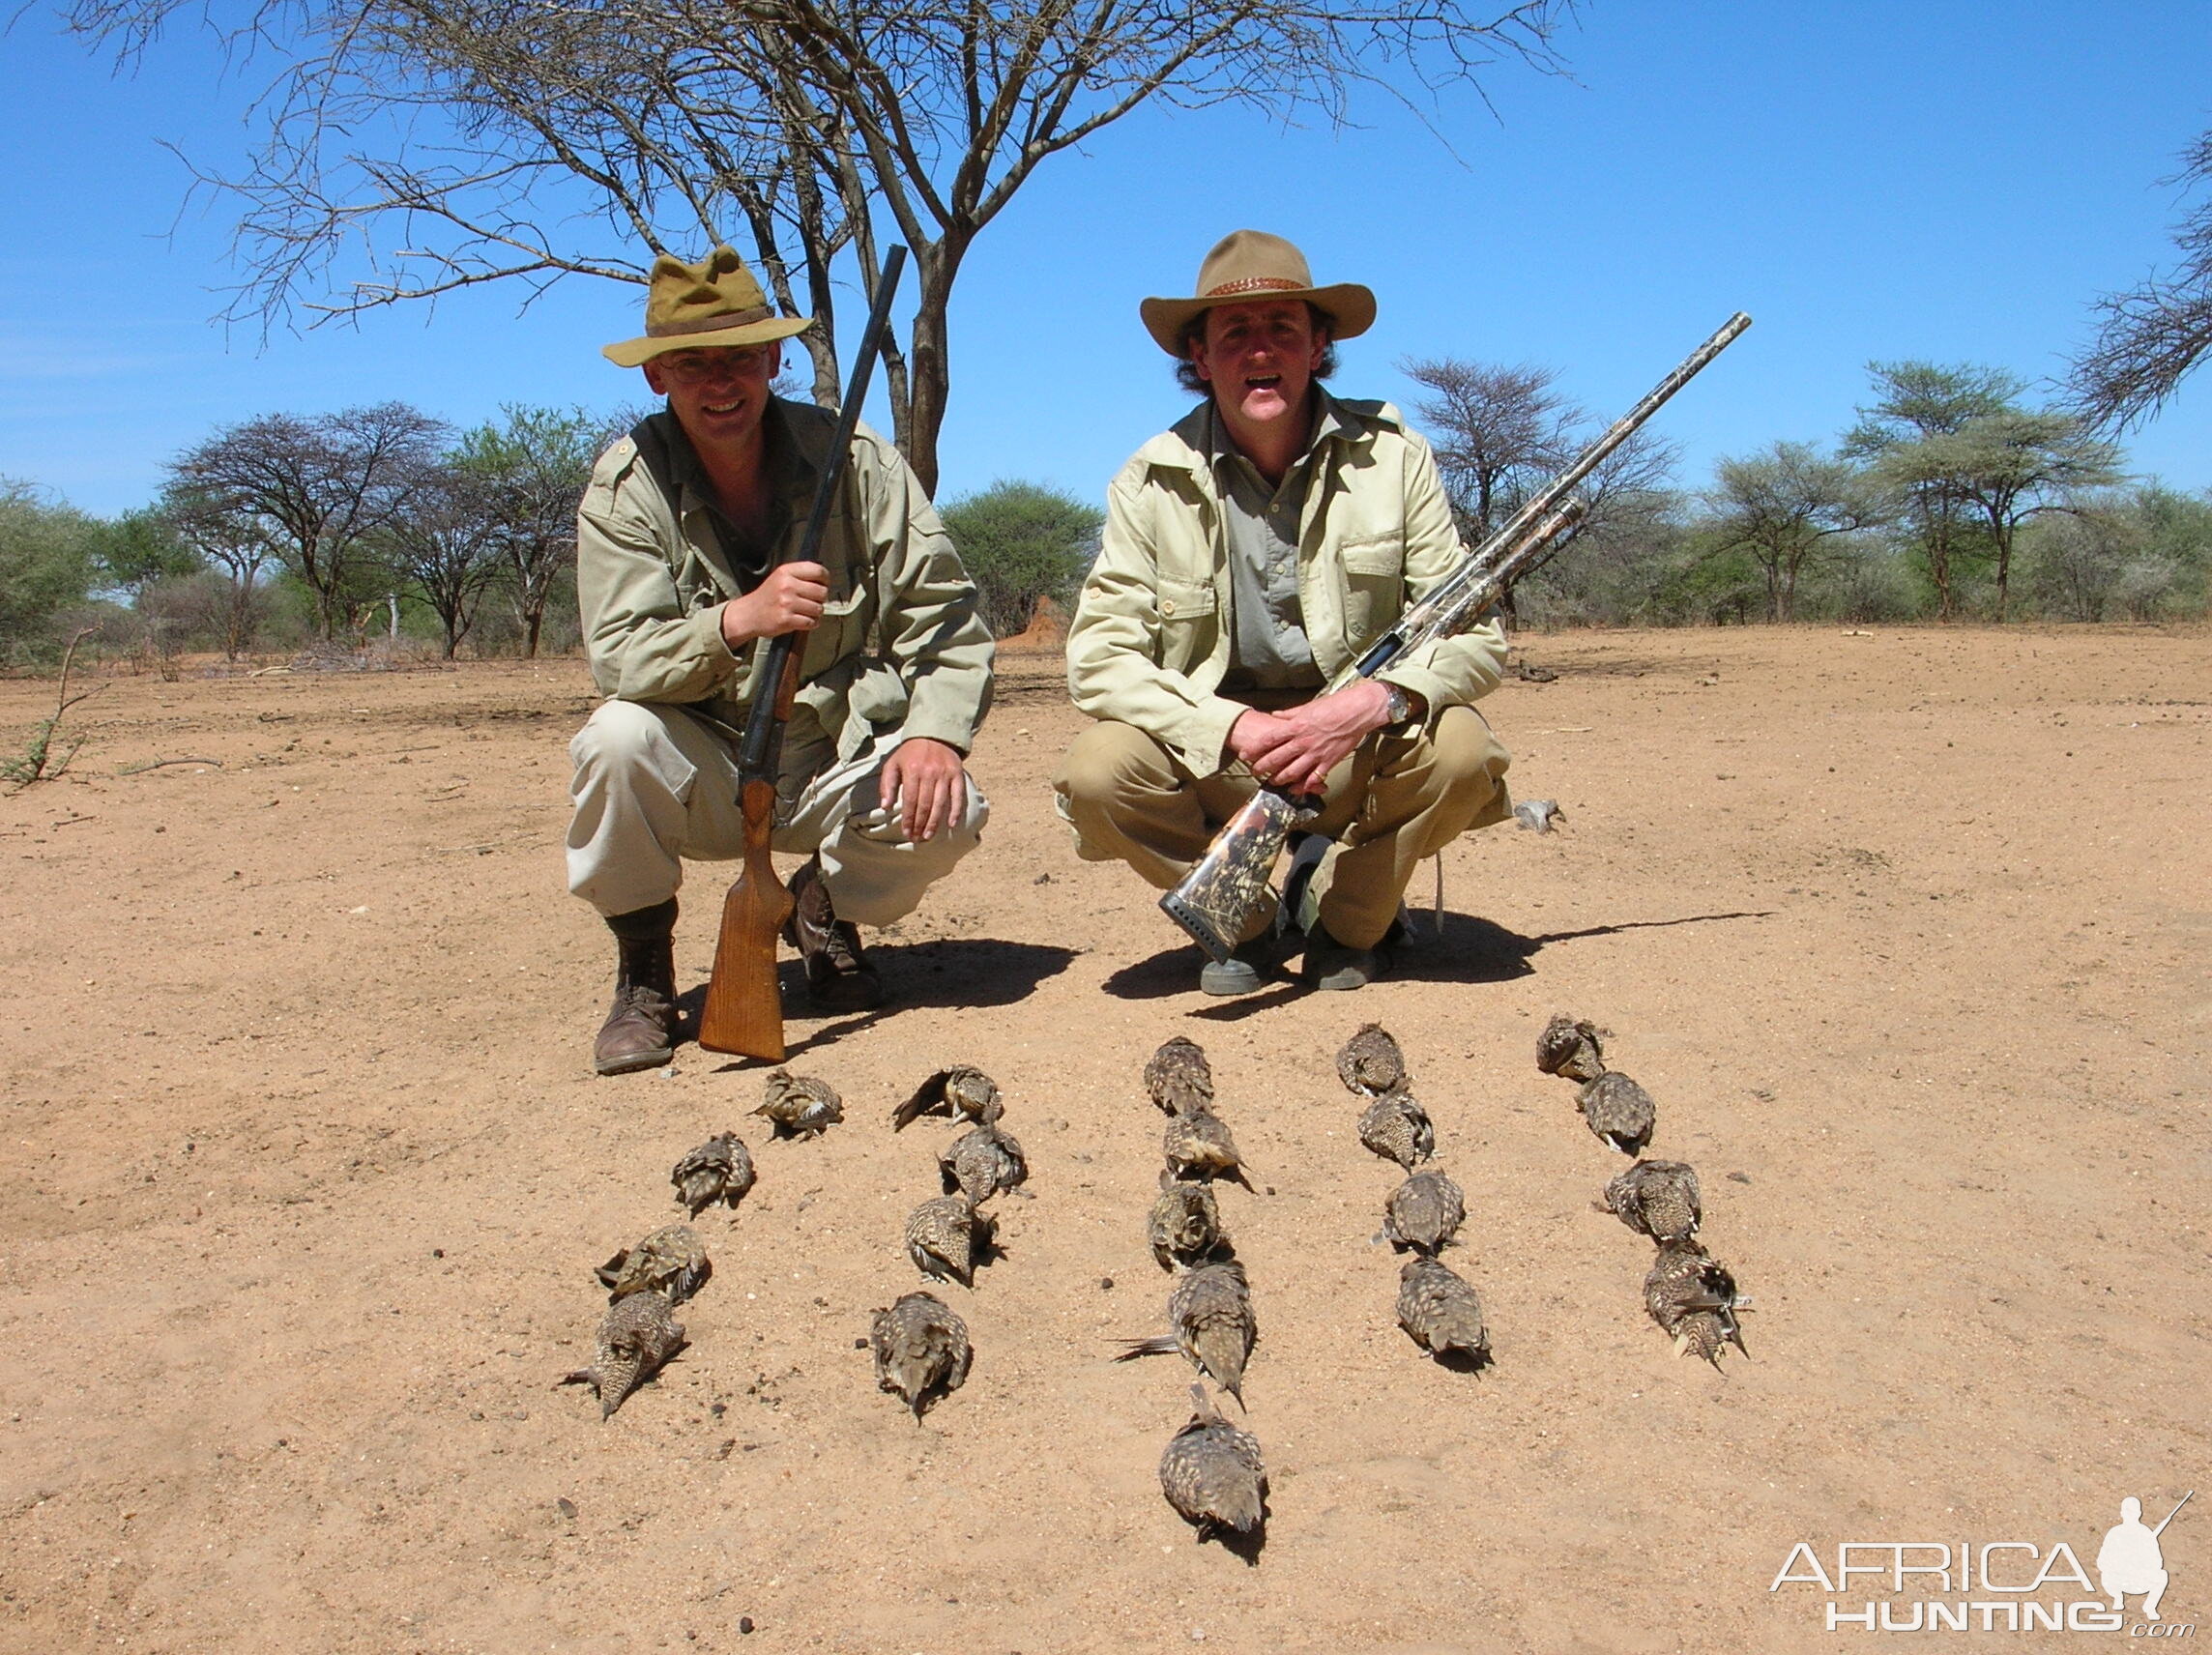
point(1248, 265)
point(697, 307)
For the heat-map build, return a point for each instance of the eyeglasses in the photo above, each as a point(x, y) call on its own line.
point(696, 366)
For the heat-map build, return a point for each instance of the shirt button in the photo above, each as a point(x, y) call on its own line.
point(1168, 608)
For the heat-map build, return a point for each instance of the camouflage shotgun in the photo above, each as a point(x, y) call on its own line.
point(743, 1008)
point(1218, 893)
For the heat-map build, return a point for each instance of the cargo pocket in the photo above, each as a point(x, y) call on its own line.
point(1374, 585)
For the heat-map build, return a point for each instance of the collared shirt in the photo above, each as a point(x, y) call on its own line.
point(1268, 647)
point(665, 449)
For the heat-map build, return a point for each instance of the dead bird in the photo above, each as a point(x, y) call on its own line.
point(983, 1161)
point(1210, 1314)
point(1197, 1146)
point(1538, 814)
point(1212, 1476)
point(799, 1105)
point(721, 1169)
point(1370, 1063)
point(636, 1338)
point(922, 1350)
point(947, 1237)
point(1571, 1047)
point(1423, 1214)
point(1398, 1129)
point(1658, 1199)
point(672, 1260)
point(1620, 1112)
point(1441, 1311)
point(1185, 1224)
point(962, 1090)
point(1178, 1077)
point(1693, 1296)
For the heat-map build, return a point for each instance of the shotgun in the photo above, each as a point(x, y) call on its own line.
point(1217, 895)
point(743, 1008)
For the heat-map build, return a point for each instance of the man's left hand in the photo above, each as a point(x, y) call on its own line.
point(1301, 745)
point(928, 782)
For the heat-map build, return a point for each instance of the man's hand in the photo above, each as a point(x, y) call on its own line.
point(789, 599)
point(1294, 749)
point(927, 780)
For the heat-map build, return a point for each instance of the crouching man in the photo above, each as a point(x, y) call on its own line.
point(1250, 553)
point(678, 575)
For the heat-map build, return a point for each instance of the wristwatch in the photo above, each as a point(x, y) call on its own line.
point(1399, 707)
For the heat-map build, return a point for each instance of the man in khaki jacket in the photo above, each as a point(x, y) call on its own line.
point(678, 576)
point(1250, 553)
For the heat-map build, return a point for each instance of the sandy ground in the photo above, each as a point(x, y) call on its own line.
point(306, 1172)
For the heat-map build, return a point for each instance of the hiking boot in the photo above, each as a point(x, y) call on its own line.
point(838, 976)
point(640, 1030)
point(1330, 964)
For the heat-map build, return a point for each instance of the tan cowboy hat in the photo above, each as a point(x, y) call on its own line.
point(690, 307)
point(1248, 265)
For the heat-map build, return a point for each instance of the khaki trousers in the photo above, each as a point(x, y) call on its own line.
point(654, 784)
point(1398, 798)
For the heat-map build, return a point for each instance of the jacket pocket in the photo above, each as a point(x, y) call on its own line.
point(1187, 623)
point(839, 633)
point(1374, 570)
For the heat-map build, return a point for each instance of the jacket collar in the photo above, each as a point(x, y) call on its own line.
point(1185, 446)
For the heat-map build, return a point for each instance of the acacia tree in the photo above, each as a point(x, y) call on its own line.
point(526, 475)
point(442, 541)
point(2150, 336)
point(2011, 467)
point(1916, 403)
point(1779, 508)
point(235, 541)
point(317, 490)
point(1502, 433)
point(498, 141)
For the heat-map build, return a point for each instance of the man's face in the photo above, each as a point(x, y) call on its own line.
point(717, 392)
point(1259, 359)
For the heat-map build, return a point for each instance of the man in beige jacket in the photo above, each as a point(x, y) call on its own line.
point(1250, 553)
point(679, 537)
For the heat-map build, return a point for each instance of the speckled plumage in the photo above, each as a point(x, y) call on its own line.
point(1570, 1048)
point(1423, 1212)
point(922, 1350)
point(721, 1169)
point(1658, 1199)
point(636, 1337)
point(1209, 1314)
point(1619, 1110)
point(1398, 1129)
point(1693, 1297)
point(1212, 1474)
point(799, 1105)
point(1370, 1064)
point(1197, 1146)
point(946, 1236)
point(1186, 1223)
point(962, 1090)
point(983, 1161)
point(672, 1260)
point(1440, 1310)
point(1178, 1077)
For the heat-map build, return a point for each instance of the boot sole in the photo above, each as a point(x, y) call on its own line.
point(634, 1061)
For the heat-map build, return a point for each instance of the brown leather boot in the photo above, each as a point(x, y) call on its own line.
point(838, 976)
point(640, 1030)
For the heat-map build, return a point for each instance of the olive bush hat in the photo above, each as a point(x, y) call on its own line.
point(689, 306)
point(1251, 264)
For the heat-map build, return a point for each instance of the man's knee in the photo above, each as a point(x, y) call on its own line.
point(1467, 762)
point(1107, 762)
point(620, 735)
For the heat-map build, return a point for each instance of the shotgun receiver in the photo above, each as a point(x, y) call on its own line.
point(1217, 895)
point(743, 1008)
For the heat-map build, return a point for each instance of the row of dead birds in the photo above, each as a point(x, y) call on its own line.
point(1437, 1309)
point(645, 1284)
point(921, 1345)
point(1688, 1293)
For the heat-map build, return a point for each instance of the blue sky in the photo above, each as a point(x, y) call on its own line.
point(1870, 179)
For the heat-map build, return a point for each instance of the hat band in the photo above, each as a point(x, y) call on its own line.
point(1255, 284)
point(708, 324)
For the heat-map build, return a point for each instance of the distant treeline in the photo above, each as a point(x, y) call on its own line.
point(1950, 497)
